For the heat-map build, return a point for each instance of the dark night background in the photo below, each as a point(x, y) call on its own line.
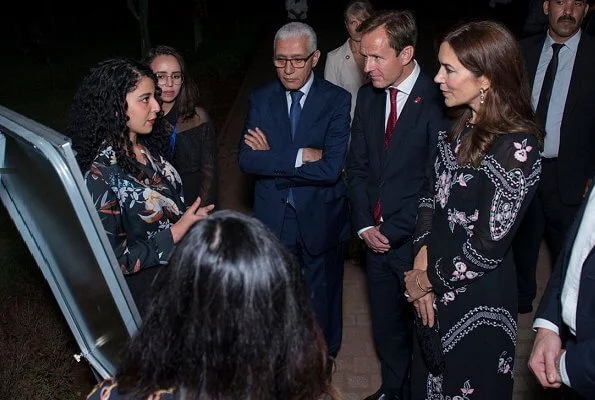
point(48, 46)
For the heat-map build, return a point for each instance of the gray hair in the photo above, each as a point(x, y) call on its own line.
point(358, 8)
point(295, 30)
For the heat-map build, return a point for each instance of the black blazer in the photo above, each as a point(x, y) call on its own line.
point(580, 353)
point(576, 156)
point(396, 175)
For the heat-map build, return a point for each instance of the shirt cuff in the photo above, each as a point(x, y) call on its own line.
point(563, 373)
point(298, 159)
point(359, 233)
point(544, 323)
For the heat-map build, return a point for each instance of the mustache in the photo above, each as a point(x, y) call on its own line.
point(568, 18)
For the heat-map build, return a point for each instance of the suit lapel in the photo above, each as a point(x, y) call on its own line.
point(278, 106)
point(579, 71)
point(310, 111)
point(532, 59)
point(572, 232)
point(379, 121)
point(347, 60)
point(407, 119)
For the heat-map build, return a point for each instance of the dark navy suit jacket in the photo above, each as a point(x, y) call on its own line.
point(318, 188)
point(580, 351)
point(396, 175)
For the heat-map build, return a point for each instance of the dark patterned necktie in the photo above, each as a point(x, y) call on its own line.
point(548, 84)
point(295, 111)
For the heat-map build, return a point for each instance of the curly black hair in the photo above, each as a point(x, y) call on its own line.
point(98, 114)
point(189, 98)
point(230, 319)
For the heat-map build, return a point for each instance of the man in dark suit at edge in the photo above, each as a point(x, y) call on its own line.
point(560, 65)
point(393, 146)
point(295, 144)
point(564, 348)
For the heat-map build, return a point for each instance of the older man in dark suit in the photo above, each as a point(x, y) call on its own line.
point(560, 64)
point(295, 145)
point(564, 349)
point(393, 144)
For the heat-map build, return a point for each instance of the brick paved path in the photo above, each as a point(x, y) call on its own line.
point(357, 371)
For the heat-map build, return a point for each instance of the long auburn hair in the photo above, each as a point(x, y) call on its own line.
point(489, 49)
point(230, 320)
point(188, 99)
point(98, 114)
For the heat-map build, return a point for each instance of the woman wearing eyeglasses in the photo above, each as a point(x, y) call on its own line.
point(192, 147)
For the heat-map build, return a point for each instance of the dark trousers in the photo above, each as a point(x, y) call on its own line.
point(546, 216)
point(392, 322)
point(323, 274)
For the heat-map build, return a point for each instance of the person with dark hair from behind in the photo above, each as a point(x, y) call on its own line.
point(137, 193)
point(239, 326)
point(192, 146)
point(484, 178)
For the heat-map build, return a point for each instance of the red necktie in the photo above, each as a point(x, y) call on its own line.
point(390, 126)
point(392, 117)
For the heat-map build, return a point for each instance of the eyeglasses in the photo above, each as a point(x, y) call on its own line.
point(295, 62)
point(177, 78)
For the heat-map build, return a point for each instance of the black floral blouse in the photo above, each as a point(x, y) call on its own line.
point(108, 390)
point(136, 211)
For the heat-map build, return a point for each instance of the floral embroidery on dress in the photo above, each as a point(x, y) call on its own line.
point(511, 188)
point(466, 391)
point(461, 273)
point(443, 188)
point(434, 387)
point(496, 317)
point(450, 296)
point(462, 179)
point(505, 364)
point(456, 217)
point(522, 150)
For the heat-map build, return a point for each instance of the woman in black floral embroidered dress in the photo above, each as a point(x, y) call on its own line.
point(484, 177)
point(137, 193)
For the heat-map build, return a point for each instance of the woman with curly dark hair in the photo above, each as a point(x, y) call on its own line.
point(192, 145)
point(137, 193)
point(239, 327)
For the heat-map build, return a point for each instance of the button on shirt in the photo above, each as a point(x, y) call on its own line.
point(305, 90)
point(404, 89)
point(583, 244)
point(566, 58)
